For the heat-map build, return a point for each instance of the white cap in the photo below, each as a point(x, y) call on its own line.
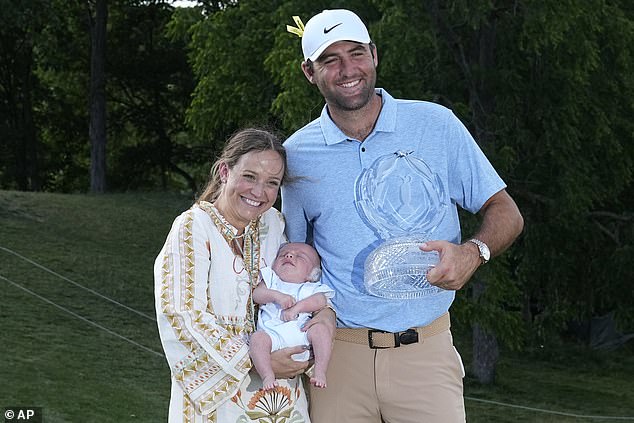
point(331, 26)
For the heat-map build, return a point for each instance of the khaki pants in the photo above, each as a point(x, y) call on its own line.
point(416, 383)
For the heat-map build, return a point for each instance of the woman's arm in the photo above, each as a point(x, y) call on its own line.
point(200, 352)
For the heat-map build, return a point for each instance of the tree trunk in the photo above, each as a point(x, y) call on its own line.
point(485, 355)
point(30, 133)
point(20, 126)
point(485, 345)
point(97, 130)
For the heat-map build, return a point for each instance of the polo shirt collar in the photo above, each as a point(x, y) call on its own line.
point(385, 123)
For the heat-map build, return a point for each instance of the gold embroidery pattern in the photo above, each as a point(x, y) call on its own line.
point(252, 265)
point(167, 300)
point(209, 332)
point(202, 376)
point(235, 325)
point(188, 411)
point(217, 393)
point(167, 281)
point(244, 365)
point(188, 263)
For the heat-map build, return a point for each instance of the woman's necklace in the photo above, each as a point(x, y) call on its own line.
point(248, 250)
point(229, 230)
point(250, 258)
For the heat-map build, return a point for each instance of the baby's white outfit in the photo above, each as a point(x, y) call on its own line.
point(287, 334)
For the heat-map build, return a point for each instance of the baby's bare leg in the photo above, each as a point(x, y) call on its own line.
point(322, 348)
point(260, 352)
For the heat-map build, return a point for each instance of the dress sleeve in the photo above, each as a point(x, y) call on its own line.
point(207, 361)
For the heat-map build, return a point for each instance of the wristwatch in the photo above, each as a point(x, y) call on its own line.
point(485, 253)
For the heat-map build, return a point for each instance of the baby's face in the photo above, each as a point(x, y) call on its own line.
point(295, 261)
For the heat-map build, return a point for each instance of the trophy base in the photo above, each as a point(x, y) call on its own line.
point(398, 269)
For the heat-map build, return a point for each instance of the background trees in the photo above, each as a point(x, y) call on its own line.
point(545, 87)
point(20, 26)
point(46, 80)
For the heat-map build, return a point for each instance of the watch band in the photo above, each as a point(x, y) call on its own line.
point(483, 249)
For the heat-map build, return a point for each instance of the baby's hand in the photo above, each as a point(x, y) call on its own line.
point(289, 314)
point(285, 301)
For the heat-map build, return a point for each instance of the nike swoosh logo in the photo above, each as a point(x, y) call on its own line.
point(327, 30)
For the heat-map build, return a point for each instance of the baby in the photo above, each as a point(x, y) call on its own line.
point(288, 293)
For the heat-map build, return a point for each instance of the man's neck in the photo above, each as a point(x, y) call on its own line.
point(357, 124)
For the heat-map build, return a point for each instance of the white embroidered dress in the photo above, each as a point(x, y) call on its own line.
point(204, 314)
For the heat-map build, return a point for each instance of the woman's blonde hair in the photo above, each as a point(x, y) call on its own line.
point(242, 142)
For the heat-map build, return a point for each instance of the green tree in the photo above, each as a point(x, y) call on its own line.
point(228, 50)
point(20, 24)
point(150, 83)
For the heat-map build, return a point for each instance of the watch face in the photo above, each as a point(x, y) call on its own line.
point(485, 253)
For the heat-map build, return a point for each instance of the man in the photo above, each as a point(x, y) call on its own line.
point(413, 376)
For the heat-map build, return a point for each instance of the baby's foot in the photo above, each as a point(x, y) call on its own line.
point(318, 380)
point(269, 383)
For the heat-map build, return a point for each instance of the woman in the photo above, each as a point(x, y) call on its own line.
point(204, 277)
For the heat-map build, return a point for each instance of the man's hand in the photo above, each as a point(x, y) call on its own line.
point(283, 364)
point(456, 266)
point(501, 224)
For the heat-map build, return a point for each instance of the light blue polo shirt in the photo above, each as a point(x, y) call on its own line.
point(320, 206)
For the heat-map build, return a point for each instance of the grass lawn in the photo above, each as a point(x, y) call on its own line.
point(79, 339)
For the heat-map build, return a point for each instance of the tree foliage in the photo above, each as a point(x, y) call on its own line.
point(20, 26)
point(148, 84)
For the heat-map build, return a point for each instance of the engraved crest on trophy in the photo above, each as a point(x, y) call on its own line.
point(403, 201)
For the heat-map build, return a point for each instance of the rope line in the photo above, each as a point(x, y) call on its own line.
point(541, 410)
point(92, 291)
point(81, 317)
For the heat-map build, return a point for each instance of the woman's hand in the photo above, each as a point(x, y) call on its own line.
point(283, 364)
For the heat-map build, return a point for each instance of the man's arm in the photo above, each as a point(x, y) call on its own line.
point(501, 224)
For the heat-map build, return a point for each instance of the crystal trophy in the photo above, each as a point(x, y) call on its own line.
point(403, 201)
